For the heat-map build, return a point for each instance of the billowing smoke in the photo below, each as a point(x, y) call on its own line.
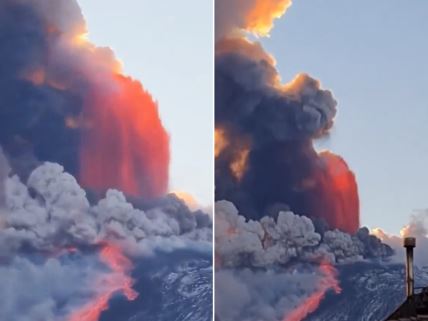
point(52, 212)
point(265, 131)
point(65, 100)
point(281, 268)
point(287, 239)
point(50, 231)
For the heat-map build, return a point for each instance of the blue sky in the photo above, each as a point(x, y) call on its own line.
point(373, 56)
point(168, 45)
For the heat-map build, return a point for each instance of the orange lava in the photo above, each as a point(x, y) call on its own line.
point(328, 282)
point(335, 194)
point(114, 282)
point(125, 147)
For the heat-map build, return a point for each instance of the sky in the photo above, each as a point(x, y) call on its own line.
point(169, 48)
point(373, 56)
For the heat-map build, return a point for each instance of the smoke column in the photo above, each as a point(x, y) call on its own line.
point(265, 130)
point(65, 100)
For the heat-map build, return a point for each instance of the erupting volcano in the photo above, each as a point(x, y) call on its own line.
point(77, 137)
point(297, 203)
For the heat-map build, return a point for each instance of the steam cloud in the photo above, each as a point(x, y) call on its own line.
point(62, 97)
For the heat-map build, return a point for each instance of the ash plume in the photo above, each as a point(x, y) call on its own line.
point(287, 239)
point(265, 133)
point(65, 100)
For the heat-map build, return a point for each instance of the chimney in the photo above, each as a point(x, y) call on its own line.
point(409, 244)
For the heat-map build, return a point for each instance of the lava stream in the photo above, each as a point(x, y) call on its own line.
point(116, 281)
point(328, 282)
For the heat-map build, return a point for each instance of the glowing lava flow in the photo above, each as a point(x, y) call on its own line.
point(328, 282)
point(116, 281)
